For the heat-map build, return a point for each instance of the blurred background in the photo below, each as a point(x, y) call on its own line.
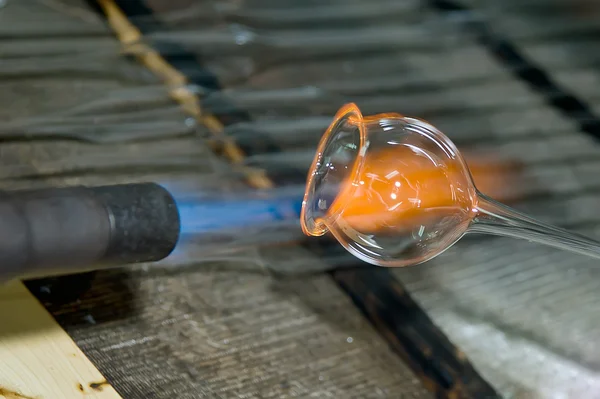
point(216, 99)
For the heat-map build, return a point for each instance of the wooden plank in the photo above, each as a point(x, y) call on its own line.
point(39, 360)
point(214, 331)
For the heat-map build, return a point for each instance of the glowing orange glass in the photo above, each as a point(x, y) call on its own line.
point(395, 191)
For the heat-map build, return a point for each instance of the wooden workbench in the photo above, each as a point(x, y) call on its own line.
point(226, 326)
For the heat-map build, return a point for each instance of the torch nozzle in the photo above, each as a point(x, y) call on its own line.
point(46, 232)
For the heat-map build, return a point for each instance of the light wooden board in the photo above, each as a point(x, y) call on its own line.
point(39, 360)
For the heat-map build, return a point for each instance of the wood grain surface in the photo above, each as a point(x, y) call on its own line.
point(39, 360)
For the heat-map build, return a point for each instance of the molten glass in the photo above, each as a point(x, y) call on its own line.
point(395, 191)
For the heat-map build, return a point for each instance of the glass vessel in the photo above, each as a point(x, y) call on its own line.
point(395, 191)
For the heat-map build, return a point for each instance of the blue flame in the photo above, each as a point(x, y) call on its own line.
point(204, 214)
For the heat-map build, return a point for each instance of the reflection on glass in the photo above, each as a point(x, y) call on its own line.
point(395, 191)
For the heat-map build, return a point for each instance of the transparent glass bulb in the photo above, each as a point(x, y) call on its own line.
point(395, 191)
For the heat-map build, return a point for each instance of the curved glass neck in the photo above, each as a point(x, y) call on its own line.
point(492, 217)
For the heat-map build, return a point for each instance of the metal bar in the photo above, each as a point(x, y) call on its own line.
point(53, 231)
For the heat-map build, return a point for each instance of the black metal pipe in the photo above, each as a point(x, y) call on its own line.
point(56, 231)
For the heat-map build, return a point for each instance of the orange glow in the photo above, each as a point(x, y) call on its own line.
point(398, 189)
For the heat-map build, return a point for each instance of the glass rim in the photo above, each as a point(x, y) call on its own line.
point(349, 112)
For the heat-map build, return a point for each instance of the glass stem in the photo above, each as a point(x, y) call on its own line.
point(495, 218)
